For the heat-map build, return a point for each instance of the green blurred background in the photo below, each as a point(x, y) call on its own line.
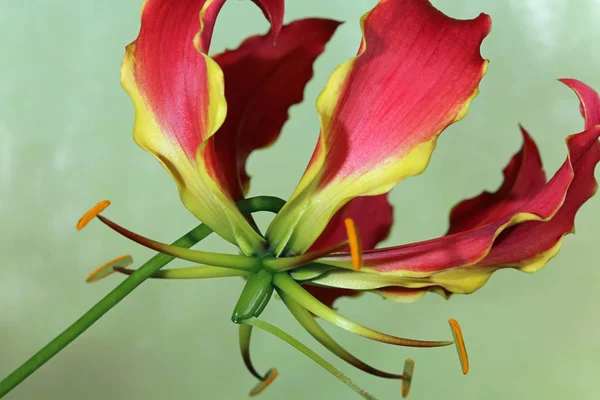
point(65, 143)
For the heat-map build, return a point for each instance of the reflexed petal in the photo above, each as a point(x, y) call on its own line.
point(523, 177)
point(463, 262)
point(373, 216)
point(529, 246)
point(416, 73)
point(261, 82)
point(179, 102)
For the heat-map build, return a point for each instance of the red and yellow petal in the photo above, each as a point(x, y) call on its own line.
point(262, 82)
point(179, 101)
point(462, 262)
point(529, 246)
point(381, 112)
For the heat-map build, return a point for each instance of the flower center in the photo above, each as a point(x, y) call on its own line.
point(265, 274)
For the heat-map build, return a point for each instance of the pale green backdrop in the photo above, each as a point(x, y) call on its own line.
point(65, 143)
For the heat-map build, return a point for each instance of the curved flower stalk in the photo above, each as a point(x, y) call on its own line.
point(416, 72)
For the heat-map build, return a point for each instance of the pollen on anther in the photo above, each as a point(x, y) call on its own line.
point(460, 345)
point(407, 374)
point(92, 213)
point(354, 243)
point(267, 380)
point(109, 268)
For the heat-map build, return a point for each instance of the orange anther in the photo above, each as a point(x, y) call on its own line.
point(354, 243)
point(92, 213)
point(407, 374)
point(108, 268)
point(460, 345)
point(267, 380)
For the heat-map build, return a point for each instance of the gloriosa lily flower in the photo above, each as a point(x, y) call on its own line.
point(416, 72)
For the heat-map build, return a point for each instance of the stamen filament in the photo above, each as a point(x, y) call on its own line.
point(286, 263)
point(355, 243)
point(288, 285)
point(221, 260)
point(244, 334)
point(273, 330)
point(109, 268)
point(308, 322)
point(195, 272)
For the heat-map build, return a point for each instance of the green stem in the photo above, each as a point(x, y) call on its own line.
point(273, 330)
point(263, 203)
